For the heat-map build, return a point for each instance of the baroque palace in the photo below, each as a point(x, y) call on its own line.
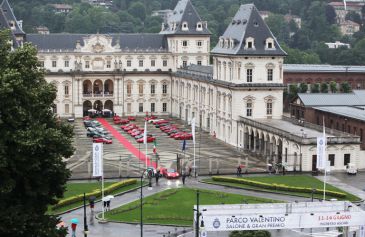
point(239, 98)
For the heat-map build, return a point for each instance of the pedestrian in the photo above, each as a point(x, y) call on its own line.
point(104, 204)
point(108, 205)
point(189, 171)
point(73, 228)
point(183, 178)
point(157, 176)
point(239, 171)
point(283, 170)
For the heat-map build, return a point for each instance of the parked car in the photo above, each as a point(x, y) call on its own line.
point(160, 122)
point(133, 131)
point(102, 140)
point(124, 127)
point(149, 139)
point(136, 133)
point(86, 118)
point(92, 133)
point(184, 136)
point(115, 118)
point(71, 119)
point(170, 173)
point(351, 169)
point(154, 120)
point(131, 118)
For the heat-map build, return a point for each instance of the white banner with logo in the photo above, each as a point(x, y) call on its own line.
point(282, 221)
point(321, 153)
point(362, 231)
point(97, 159)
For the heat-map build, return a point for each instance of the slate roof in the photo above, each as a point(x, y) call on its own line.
point(64, 41)
point(248, 23)
point(184, 12)
point(356, 98)
point(200, 68)
point(9, 15)
point(322, 68)
point(355, 112)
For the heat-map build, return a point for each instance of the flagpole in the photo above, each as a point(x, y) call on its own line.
point(145, 140)
point(102, 180)
point(193, 134)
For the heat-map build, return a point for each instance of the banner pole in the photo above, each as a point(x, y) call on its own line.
point(325, 161)
point(102, 181)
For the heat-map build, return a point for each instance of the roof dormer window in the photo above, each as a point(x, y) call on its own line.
point(199, 26)
point(269, 43)
point(221, 42)
point(226, 43)
point(185, 26)
point(250, 43)
point(231, 43)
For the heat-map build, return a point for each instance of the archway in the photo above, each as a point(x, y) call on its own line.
point(98, 105)
point(108, 87)
point(98, 87)
point(86, 106)
point(87, 88)
point(108, 105)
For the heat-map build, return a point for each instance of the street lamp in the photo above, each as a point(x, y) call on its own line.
point(141, 197)
point(198, 224)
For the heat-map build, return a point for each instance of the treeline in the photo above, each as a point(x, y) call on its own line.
point(304, 44)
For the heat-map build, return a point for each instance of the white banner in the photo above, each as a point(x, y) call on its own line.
point(193, 129)
point(282, 221)
point(145, 133)
point(362, 231)
point(321, 153)
point(97, 159)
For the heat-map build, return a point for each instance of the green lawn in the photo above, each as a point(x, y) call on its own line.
point(290, 180)
point(175, 206)
point(73, 189)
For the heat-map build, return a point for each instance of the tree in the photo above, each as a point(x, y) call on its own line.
point(303, 87)
point(137, 9)
point(353, 16)
point(33, 143)
point(345, 87)
point(250, 233)
point(315, 88)
point(330, 14)
point(324, 87)
point(333, 86)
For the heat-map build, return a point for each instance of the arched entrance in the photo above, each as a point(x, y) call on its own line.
point(98, 105)
point(86, 106)
point(98, 87)
point(108, 87)
point(108, 105)
point(87, 87)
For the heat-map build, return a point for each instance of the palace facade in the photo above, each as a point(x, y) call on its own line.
point(238, 99)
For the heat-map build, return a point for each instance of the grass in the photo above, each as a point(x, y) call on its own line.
point(73, 189)
point(290, 180)
point(175, 206)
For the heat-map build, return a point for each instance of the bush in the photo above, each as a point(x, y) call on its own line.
point(273, 186)
point(96, 193)
point(250, 233)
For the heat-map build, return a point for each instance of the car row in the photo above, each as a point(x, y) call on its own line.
point(174, 132)
point(95, 130)
point(118, 120)
point(136, 132)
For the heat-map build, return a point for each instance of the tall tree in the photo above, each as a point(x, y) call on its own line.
point(32, 145)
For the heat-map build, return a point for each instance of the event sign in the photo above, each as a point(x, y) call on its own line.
point(97, 159)
point(282, 221)
point(321, 153)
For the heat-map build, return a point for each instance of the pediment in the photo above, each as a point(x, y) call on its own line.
point(98, 44)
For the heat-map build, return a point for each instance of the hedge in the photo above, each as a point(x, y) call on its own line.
point(273, 186)
point(96, 193)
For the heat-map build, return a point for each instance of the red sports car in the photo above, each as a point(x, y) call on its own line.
point(170, 173)
point(131, 118)
point(149, 139)
point(173, 135)
point(136, 133)
point(160, 122)
point(186, 136)
point(133, 130)
point(115, 118)
point(102, 140)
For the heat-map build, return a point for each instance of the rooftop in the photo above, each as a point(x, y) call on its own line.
point(355, 112)
point(322, 68)
point(356, 98)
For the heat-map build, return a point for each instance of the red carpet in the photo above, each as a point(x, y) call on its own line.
point(127, 144)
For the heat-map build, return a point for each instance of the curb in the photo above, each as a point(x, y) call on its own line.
point(79, 207)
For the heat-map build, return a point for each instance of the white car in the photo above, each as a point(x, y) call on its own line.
point(351, 169)
point(154, 120)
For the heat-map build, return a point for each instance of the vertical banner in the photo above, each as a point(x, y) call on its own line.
point(362, 231)
point(321, 153)
point(145, 133)
point(97, 159)
point(193, 129)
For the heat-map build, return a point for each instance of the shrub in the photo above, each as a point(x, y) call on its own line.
point(96, 193)
point(273, 186)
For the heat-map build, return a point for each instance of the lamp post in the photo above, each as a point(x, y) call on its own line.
point(197, 215)
point(86, 231)
point(313, 190)
point(141, 199)
point(300, 151)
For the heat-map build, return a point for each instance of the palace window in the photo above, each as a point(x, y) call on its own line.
point(129, 63)
point(164, 107)
point(269, 74)
point(66, 90)
point(164, 63)
point(129, 89)
point(331, 158)
point(153, 89)
point(199, 62)
point(140, 63)
point(140, 107)
point(152, 107)
point(269, 107)
point(164, 88)
point(140, 89)
point(67, 63)
point(185, 43)
point(249, 75)
point(199, 43)
point(346, 159)
point(153, 63)
point(185, 63)
point(249, 108)
point(108, 64)
point(87, 64)
point(54, 63)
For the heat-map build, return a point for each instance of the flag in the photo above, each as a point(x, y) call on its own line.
point(154, 146)
point(97, 159)
point(345, 4)
point(321, 150)
point(193, 129)
point(184, 145)
point(145, 133)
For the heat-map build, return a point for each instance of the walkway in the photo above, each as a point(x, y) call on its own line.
point(124, 141)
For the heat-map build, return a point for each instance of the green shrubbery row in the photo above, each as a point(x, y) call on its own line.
point(96, 193)
point(273, 186)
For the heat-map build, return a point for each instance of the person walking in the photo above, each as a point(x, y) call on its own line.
point(239, 171)
point(157, 176)
point(183, 178)
point(73, 228)
point(108, 205)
